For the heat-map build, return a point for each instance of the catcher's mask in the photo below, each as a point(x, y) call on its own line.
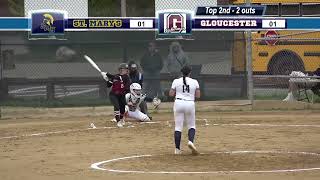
point(135, 90)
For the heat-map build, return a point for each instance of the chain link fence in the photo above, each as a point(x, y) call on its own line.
point(54, 73)
point(56, 70)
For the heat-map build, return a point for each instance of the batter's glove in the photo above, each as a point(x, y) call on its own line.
point(104, 75)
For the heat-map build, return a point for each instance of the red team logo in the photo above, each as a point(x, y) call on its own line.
point(175, 23)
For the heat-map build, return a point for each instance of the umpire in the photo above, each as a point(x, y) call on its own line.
point(137, 77)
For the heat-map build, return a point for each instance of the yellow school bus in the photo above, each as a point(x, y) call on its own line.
point(293, 51)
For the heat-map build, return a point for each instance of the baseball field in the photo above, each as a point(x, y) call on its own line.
point(269, 142)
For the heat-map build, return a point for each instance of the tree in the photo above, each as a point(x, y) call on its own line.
point(104, 8)
point(16, 7)
point(111, 8)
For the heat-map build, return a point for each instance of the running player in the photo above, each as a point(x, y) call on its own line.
point(133, 100)
point(120, 87)
point(185, 90)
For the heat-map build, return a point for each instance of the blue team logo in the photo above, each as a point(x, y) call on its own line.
point(47, 23)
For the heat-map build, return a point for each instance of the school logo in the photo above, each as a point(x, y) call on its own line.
point(47, 23)
point(175, 23)
point(44, 23)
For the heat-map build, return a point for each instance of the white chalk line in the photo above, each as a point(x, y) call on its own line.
point(270, 125)
point(98, 164)
point(68, 131)
point(54, 132)
point(157, 122)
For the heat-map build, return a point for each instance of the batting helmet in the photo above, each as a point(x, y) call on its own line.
point(123, 66)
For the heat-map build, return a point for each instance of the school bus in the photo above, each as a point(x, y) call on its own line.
point(293, 50)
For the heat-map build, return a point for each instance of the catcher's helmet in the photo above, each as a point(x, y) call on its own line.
point(135, 90)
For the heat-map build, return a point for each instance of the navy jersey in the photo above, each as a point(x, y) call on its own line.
point(136, 78)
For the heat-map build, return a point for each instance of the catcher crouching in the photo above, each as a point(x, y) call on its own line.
point(134, 99)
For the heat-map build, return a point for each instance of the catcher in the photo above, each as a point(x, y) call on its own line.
point(134, 99)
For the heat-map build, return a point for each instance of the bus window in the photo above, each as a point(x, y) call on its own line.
point(272, 10)
point(290, 10)
point(311, 9)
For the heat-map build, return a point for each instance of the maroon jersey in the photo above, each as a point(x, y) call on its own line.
point(120, 84)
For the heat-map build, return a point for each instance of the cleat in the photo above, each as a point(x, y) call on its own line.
point(119, 124)
point(93, 126)
point(113, 120)
point(122, 122)
point(192, 148)
point(147, 119)
point(177, 151)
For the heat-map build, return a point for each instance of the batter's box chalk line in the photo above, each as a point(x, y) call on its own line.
point(97, 165)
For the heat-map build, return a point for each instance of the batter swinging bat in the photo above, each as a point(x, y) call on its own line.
point(92, 63)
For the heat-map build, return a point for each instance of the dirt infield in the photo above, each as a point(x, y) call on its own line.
point(65, 148)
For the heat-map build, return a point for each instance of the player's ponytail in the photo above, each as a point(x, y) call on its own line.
point(184, 80)
point(186, 70)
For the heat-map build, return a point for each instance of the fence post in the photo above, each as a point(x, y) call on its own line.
point(249, 61)
point(103, 92)
point(123, 8)
point(50, 90)
point(244, 86)
point(1, 88)
point(124, 40)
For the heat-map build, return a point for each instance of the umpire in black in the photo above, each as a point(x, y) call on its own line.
point(137, 77)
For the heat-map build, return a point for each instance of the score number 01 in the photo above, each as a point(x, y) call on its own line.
point(139, 23)
point(272, 23)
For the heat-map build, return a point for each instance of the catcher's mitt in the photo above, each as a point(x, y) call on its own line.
point(156, 102)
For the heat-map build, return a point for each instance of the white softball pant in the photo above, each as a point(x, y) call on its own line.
point(137, 115)
point(184, 111)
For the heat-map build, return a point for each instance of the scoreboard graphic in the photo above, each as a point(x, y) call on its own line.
point(168, 22)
